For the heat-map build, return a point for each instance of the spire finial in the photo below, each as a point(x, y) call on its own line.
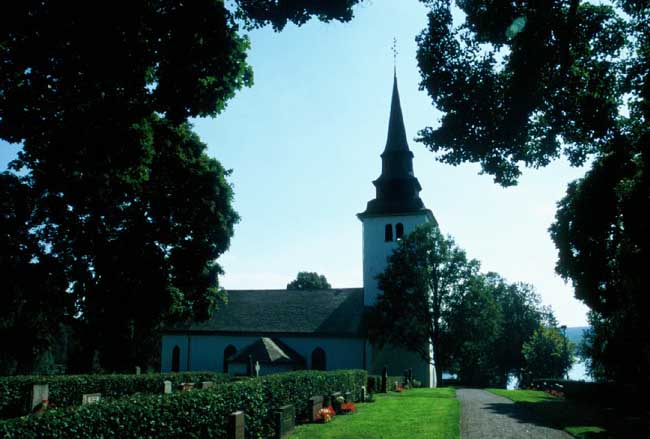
point(395, 52)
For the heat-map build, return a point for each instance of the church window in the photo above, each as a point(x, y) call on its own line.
point(318, 360)
point(399, 231)
point(176, 359)
point(228, 352)
point(388, 233)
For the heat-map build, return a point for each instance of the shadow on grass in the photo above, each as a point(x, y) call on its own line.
point(562, 413)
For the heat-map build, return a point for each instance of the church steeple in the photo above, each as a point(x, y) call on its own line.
point(397, 189)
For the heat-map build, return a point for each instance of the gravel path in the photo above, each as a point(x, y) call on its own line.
point(485, 415)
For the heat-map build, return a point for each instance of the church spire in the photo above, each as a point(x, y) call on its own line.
point(397, 189)
point(396, 139)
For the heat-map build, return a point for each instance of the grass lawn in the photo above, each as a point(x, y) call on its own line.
point(582, 420)
point(413, 414)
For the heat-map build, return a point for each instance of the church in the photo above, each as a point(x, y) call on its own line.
point(283, 330)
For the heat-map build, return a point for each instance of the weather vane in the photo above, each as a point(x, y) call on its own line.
point(394, 49)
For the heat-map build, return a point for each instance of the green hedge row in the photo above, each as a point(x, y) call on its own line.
point(194, 414)
point(67, 390)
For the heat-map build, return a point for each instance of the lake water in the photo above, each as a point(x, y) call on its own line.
point(577, 373)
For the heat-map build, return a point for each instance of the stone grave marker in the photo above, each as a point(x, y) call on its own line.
point(257, 368)
point(285, 421)
point(316, 404)
point(184, 387)
point(384, 380)
point(363, 394)
point(40, 392)
point(236, 425)
point(167, 386)
point(348, 396)
point(90, 398)
point(336, 405)
point(206, 384)
point(138, 371)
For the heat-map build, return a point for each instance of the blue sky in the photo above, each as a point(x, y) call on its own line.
point(304, 145)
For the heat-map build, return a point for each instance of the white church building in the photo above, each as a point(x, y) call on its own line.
point(325, 329)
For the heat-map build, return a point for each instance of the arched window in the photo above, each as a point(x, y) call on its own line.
point(399, 231)
point(318, 360)
point(228, 352)
point(176, 359)
point(388, 233)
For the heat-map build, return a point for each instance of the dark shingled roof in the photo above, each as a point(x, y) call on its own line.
point(268, 351)
point(335, 312)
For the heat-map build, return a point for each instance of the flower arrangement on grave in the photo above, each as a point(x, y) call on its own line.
point(348, 407)
point(399, 388)
point(326, 414)
point(42, 407)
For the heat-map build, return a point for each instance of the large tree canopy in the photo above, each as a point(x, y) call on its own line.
point(478, 323)
point(521, 83)
point(114, 190)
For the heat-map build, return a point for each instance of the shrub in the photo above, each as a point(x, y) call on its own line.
point(297, 387)
point(193, 414)
point(66, 390)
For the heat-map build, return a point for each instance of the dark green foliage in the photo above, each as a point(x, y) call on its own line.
point(309, 281)
point(547, 354)
point(194, 414)
point(606, 256)
point(478, 322)
point(521, 83)
point(473, 327)
point(297, 387)
point(424, 271)
point(67, 390)
point(120, 215)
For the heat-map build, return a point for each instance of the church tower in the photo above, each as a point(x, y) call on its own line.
point(396, 209)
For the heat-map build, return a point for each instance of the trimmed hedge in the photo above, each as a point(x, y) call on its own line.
point(194, 414)
point(67, 390)
point(297, 387)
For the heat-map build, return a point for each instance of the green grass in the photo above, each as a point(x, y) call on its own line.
point(581, 420)
point(413, 414)
point(524, 395)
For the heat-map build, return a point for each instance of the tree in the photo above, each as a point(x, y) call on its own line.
point(423, 272)
point(125, 204)
point(474, 324)
point(309, 281)
point(548, 354)
point(521, 83)
point(521, 314)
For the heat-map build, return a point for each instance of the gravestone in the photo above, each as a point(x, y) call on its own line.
point(257, 368)
point(363, 394)
point(184, 387)
point(90, 398)
point(138, 371)
point(40, 393)
point(347, 396)
point(167, 386)
point(384, 380)
point(250, 366)
point(411, 377)
point(285, 421)
point(316, 403)
point(206, 384)
point(336, 405)
point(236, 425)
